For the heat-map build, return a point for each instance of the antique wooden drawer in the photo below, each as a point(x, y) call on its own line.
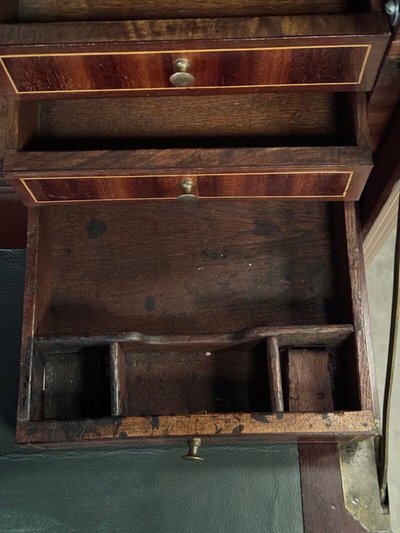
point(240, 320)
point(243, 146)
point(311, 48)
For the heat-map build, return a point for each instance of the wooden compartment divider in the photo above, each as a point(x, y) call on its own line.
point(274, 372)
point(118, 384)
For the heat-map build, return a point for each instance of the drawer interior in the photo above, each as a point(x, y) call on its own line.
point(176, 276)
point(80, 10)
point(217, 121)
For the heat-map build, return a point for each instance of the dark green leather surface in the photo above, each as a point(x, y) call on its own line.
point(235, 490)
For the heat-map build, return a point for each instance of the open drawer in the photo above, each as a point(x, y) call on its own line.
point(309, 47)
point(233, 146)
point(226, 321)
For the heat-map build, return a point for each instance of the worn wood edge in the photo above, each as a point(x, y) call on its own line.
point(125, 163)
point(282, 426)
point(217, 29)
point(29, 316)
point(362, 327)
point(293, 335)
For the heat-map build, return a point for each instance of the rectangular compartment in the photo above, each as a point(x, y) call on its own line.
point(187, 312)
point(233, 146)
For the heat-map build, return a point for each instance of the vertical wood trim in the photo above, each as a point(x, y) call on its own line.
point(119, 390)
point(274, 374)
point(29, 321)
point(359, 298)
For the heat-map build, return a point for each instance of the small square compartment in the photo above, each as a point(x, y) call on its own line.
point(76, 384)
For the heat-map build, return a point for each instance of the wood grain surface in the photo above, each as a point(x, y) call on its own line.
point(47, 10)
point(386, 92)
point(291, 427)
point(248, 68)
point(230, 266)
point(310, 387)
point(182, 120)
point(199, 161)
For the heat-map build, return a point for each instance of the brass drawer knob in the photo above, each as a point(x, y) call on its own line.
point(187, 185)
point(182, 78)
point(193, 453)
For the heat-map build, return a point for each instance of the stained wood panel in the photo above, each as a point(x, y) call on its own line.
point(309, 375)
point(208, 267)
point(183, 120)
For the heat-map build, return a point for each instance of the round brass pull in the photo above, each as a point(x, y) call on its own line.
point(193, 454)
point(182, 78)
point(187, 185)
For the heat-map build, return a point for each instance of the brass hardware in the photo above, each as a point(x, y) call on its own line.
point(182, 78)
point(193, 454)
point(360, 485)
point(187, 185)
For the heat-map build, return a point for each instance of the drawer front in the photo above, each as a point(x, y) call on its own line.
point(302, 184)
point(270, 67)
point(321, 52)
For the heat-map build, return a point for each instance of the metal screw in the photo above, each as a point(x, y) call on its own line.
point(355, 500)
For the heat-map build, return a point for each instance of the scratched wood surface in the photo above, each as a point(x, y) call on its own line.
point(267, 427)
